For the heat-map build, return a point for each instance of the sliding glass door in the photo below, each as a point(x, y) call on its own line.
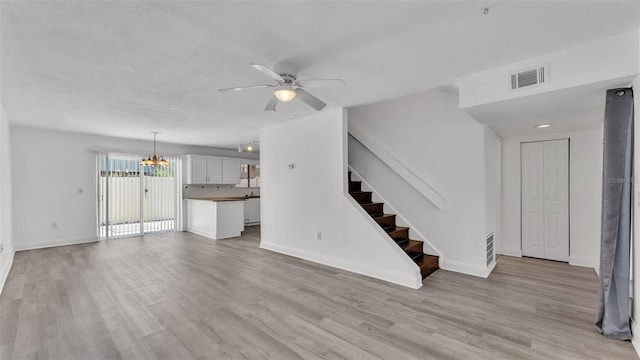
point(134, 200)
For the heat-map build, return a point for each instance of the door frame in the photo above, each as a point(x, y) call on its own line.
point(568, 191)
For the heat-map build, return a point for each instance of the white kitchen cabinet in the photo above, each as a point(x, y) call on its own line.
point(252, 211)
point(215, 219)
point(212, 170)
point(196, 169)
point(230, 171)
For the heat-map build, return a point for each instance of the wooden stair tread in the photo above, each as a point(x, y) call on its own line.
point(413, 245)
point(398, 229)
point(372, 203)
point(373, 208)
point(384, 216)
point(428, 265)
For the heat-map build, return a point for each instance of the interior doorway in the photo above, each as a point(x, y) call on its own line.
point(545, 199)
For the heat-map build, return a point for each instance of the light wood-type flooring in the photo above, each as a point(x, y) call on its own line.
point(182, 296)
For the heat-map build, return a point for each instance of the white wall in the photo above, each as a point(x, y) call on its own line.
point(6, 241)
point(312, 198)
point(605, 59)
point(585, 189)
point(444, 147)
point(48, 168)
point(493, 185)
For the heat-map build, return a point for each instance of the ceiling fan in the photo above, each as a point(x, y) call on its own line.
point(288, 87)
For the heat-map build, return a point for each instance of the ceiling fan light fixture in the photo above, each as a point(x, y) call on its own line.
point(284, 93)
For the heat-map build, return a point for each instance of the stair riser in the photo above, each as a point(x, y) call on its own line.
point(402, 243)
point(355, 186)
point(386, 221)
point(374, 209)
point(362, 197)
point(414, 247)
point(426, 271)
point(417, 257)
point(400, 234)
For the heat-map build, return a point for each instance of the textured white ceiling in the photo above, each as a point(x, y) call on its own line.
point(124, 68)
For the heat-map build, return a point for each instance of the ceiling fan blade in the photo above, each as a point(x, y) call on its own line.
point(325, 83)
point(311, 100)
point(268, 71)
point(271, 105)
point(245, 87)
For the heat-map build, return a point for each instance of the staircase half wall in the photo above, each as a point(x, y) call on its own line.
point(306, 211)
point(445, 148)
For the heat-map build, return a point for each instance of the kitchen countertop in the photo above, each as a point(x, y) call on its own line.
point(226, 198)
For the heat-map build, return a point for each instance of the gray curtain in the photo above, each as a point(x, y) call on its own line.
point(613, 305)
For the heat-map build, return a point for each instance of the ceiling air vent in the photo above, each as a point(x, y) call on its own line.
point(526, 78)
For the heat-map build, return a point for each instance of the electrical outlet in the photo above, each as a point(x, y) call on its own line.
point(54, 226)
point(319, 236)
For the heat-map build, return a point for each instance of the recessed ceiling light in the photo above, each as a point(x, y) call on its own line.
point(173, 108)
point(542, 126)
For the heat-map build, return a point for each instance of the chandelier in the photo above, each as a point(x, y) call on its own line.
point(153, 161)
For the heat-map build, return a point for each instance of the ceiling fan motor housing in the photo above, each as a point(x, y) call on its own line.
point(288, 79)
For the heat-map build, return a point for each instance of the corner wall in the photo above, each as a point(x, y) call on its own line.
point(585, 189)
point(6, 241)
point(303, 194)
point(444, 147)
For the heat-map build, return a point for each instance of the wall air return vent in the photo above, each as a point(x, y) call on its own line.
point(529, 78)
point(490, 252)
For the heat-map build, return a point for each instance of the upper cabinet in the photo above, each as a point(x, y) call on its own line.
point(196, 169)
point(230, 171)
point(212, 170)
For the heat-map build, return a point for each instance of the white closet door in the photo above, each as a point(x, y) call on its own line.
point(556, 200)
point(532, 199)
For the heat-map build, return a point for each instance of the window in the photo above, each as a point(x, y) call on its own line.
point(249, 175)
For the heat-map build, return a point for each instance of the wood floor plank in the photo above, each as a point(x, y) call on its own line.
point(183, 296)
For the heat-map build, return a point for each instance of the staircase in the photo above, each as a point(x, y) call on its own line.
point(427, 263)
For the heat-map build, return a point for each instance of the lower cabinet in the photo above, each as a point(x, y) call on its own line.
point(252, 211)
point(215, 219)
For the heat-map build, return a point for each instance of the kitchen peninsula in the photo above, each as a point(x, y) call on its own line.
point(216, 218)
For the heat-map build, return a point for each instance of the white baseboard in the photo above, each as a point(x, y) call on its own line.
point(413, 281)
point(582, 261)
point(512, 252)
point(4, 272)
point(465, 268)
point(53, 243)
point(200, 232)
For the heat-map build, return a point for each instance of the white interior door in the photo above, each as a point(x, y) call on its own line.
point(545, 199)
point(556, 200)
point(532, 199)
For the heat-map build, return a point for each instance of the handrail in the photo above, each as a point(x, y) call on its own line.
point(412, 179)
